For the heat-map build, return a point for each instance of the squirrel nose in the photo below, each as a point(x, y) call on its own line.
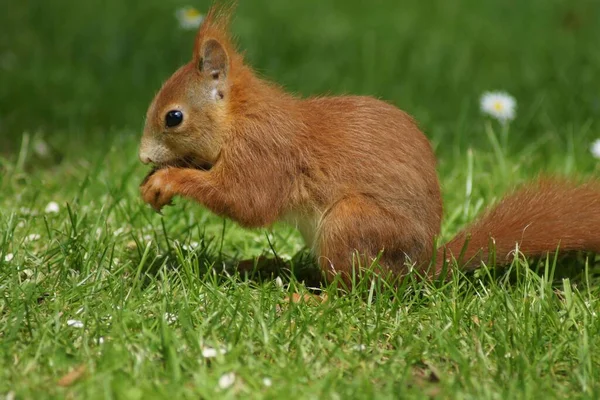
point(144, 158)
point(148, 151)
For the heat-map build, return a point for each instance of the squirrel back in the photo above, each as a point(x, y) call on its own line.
point(537, 219)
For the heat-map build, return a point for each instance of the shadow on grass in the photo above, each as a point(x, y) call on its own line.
point(203, 259)
point(578, 268)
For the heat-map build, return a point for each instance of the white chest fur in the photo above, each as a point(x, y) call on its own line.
point(307, 222)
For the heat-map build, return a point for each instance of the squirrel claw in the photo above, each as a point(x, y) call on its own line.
point(156, 191)
point(158, 211)
point(159, 208)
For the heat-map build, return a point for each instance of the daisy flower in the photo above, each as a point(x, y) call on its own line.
point(595, 148)
point(360, 347)
point(499, 105)
point(33, 237)
point(209, 352)
point(52, 208)
point(227, 380)
point(75, 323)
point(279, 282)
point(189, 18)
point(170, 317)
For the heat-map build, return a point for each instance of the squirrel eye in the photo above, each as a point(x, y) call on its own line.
point(173, 118)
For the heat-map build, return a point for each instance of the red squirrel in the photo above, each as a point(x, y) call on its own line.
point(354, 174)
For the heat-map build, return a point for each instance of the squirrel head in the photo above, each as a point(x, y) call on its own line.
point(187, 119)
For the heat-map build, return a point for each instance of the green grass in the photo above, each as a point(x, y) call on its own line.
point(77, 77)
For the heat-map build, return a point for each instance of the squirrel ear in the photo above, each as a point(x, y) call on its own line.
point(213, 59)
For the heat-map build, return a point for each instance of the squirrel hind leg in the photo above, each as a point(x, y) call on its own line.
point(356, 230)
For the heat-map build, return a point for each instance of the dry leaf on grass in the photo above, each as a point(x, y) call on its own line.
point(73, 376)
point(306, 298)
point(477, 322)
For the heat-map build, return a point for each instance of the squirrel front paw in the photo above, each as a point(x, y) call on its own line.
point(157, 190)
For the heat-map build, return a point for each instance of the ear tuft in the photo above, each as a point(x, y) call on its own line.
point(214, 52)
point(214, 59)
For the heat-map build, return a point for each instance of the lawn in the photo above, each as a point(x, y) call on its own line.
point(103, 298)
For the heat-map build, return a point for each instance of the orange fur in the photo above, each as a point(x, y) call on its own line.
point(539, 218)
point(354, 174)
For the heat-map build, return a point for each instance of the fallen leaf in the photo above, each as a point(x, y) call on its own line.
point(73, 376)
point(306, 298)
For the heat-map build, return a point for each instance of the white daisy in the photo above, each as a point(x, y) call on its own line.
point(209, 352)
point(52, 208)
point(41, 148)
point(170, 317)
point(189, 18)
point(33, 237)
point(267, 382)
point(360, 347)
point(595, 148)
point(75, 323)
point(499, 105)
point(227, 380)
point(279, 282)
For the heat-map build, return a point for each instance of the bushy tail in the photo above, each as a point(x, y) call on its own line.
point(542, 217)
